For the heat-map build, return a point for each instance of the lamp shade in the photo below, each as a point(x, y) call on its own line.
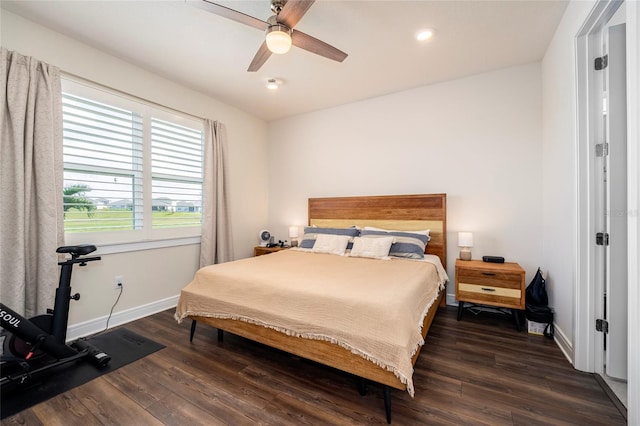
point(293, 232)
point(465, 239)
point(278, 39)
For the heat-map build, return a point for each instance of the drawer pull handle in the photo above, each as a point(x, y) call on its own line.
point(487, 289)
point(491, 274)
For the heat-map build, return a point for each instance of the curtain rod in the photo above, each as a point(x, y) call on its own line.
point(84, 80)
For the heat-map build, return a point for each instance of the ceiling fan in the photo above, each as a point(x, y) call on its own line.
point(280, 34)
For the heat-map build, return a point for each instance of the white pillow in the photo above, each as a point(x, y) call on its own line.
point(422, 232)
point(332, 244)
point(372, 247)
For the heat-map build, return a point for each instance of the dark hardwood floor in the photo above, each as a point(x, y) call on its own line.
point(476, 371)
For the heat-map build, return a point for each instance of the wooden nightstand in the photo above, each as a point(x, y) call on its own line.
point(260, 250)
point(493, 284)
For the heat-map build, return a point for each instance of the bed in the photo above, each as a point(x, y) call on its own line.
point(215, 297)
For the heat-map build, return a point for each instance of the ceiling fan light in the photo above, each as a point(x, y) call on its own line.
point(278, 39)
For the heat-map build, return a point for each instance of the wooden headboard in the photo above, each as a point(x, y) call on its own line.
point(400, 212)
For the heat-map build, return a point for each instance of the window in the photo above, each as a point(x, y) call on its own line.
point(132, 172)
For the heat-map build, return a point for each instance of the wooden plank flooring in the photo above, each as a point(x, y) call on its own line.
point(477, 371)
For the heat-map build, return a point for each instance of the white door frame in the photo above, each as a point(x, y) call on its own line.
point(587, 343)
point(587, 357)
point(633, 201)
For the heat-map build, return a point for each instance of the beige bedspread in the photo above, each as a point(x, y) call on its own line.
point(374, 308)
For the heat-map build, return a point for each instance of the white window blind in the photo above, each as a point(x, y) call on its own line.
point(103, 182)
point(132, 172)
point(176, 161)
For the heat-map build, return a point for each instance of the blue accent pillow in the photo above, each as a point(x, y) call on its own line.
point(407, 245)
point(310, 232)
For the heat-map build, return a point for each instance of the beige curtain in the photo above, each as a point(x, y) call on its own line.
point(216, 243)
point(31, 170)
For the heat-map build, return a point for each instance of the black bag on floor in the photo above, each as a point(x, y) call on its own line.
point(536, 293)
point(536, 304)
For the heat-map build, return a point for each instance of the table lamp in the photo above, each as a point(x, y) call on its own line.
point(293, 235)
point(465, 242)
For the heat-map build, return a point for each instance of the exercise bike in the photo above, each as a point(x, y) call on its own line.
point(35, 345)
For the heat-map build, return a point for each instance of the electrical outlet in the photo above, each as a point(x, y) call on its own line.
point(118, 282)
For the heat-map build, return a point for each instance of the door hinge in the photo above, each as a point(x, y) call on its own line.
point(602, 149)
point(601, 62)
point(602, 239)
point(602, 325)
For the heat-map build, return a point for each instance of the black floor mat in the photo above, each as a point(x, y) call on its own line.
point(122, 345)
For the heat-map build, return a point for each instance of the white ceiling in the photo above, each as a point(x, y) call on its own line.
point(211, 54)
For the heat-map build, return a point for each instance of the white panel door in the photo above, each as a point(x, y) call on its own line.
point(616, 202)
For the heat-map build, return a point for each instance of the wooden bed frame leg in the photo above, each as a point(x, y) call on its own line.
point(362, 386)
point(220, 335)
point(193, 330)
point(387, 402)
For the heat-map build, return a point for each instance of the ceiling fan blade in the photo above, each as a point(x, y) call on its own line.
point(261, 57)
point(319, 47)
point(225, 12)
point(293, 11)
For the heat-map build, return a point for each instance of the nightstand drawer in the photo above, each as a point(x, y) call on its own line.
point(490, 278)
point(489, 295)
point(491, 291)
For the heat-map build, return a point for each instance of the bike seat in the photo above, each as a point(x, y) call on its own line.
point(80, 250)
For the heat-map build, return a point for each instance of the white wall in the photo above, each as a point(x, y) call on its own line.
point(152, 277)
point(478, 139)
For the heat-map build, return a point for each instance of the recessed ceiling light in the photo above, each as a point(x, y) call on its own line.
point(273, 84)
point(426, 34)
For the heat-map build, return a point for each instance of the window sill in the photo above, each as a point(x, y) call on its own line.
point(112, 248)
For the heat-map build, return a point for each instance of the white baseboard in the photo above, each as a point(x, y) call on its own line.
point(118, 318)
point(563, 343)
point(451, 299)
